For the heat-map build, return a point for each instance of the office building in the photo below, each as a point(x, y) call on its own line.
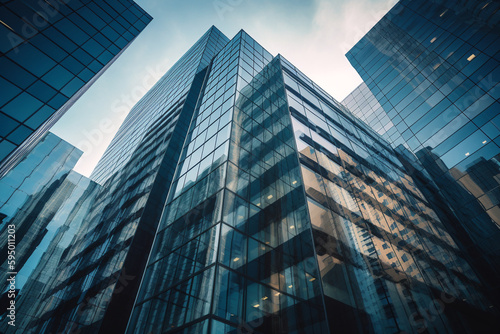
point(37, 196)
point(44, 264)
point(52, 52)
point(98, 275)
point(289, 214)
point(32, 193)
point(433, 69)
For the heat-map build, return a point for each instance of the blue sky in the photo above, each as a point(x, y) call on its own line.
point(313, 34)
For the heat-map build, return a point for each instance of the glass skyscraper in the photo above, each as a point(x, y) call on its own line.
point(234, 247)
point(52, 52)
point(32, 193)
point(37, 197)
point(98, 274)
point(289, 214)
point(431, 72)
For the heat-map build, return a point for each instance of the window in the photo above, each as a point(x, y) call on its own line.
point(26, 55)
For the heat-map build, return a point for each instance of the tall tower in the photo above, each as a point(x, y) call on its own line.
point(52, 52)
point(234, 248)
point(100, 271)
point(434, 67)
point(289, 214)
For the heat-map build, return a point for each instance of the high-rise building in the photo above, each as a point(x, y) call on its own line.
point(234, 243)
point(32, 192)
point(43, 265)
point(37, 196)
point(99, 273)
point(51, 53)
point(238, 196)
point(289, 214)
point(431, 72)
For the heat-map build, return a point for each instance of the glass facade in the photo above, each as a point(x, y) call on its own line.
point(98, 274)
point(162, 105)
point(364, 105)
point(385, 258)
point(234, 247)
point(434, 67)
point(51, 52)
point(289, 214)
point(64, 212)
point(32, 194)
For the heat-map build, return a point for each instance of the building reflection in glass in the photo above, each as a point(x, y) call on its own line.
point(385, 257)
point(433, 69)
point(32, 193)
point(238, 222)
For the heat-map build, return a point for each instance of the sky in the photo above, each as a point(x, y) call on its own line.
point(314, 35)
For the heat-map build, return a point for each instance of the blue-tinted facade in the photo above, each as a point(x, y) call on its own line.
point(162, 105)
point(39, 252)
point(234, 249)
point(434, 68)
point(289, 214)
point(52, 51)
point(98, 274)
point(362, 103)
point(32, 193)
point(37, 197)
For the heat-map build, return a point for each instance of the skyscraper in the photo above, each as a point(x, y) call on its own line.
point(38, 272)
point(32, 193)
point(433, 68)
point(36, 201)
point(235, 213)
point(98, 275)
point(289, 214)
point(52, 52)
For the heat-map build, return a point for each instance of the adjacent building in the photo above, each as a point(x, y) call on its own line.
point(37, 197)
point(431, 72)
point(98, 274)
point(51, 53)
point(44, 264)
point(31, 195)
